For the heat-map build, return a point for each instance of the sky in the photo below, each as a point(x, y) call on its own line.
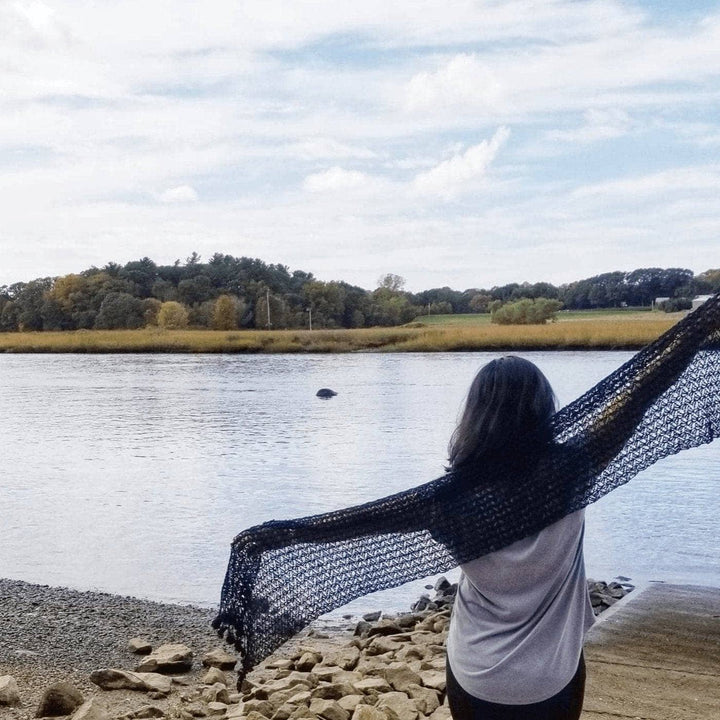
point(467, 144)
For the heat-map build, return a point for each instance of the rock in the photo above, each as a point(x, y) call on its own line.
point(196, 709)
point(255, 715)
point(426, 700)
point(214, 675)
point(280, 664)
point(350, 702)
point(217, 692)
point(332, 691)
point(412, 652)
point(236, 711)
point(172, 658)
point(308, 661)
point(328, 709)
point(60, 698)
point(400, 703)
point(372, 616)
point(424, 638)
point(139, 646)
point(442, 713)
point(218, 658)
point(157, 685)
point(363, 628)
point(325, 393)
point(294, 680)
point(284, 711)
point(300, 698)
point(262, 707)
point(91, 710)
point(434, 679)
point(387, 626)
point(278, 699)
point(113, 679)
point(216, 708)
point(345, 658)
point(365, 712)
point(381, 645)
point(372, 684)
point(442, 584)
point(422, 603)
point(9, 694)
point(148, 711)
point(401, 676)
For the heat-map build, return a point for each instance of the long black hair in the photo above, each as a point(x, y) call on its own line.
point(506, 416)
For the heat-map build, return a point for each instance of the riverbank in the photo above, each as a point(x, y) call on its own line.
point(54, 635)
point(606, 332)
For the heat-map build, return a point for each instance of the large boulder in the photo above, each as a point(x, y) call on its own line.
point(60, 698)
point(172, 658)
point(9, 694)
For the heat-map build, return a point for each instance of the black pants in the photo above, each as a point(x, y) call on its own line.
point(566, 705)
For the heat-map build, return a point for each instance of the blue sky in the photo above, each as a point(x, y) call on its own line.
point(466, 145)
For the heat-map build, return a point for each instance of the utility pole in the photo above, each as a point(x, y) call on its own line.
point(267, 301)
point(310, 316)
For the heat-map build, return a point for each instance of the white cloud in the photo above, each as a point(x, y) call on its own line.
point(179, 194)
point(452, 176)
point(463, 79)
point(599, 124)
point(337, 179)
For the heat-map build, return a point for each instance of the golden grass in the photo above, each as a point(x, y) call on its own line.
point(608, 332)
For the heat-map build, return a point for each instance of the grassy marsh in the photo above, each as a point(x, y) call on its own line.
point(619, 330)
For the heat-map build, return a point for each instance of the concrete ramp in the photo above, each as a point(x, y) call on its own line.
point(656, 657)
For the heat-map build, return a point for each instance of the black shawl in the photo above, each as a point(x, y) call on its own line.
point(283, 574)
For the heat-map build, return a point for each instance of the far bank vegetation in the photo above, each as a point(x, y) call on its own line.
point(228, 294)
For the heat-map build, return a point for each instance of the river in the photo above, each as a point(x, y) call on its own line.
point(132, 473)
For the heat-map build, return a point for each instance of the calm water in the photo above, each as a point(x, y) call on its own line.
point(131, 474)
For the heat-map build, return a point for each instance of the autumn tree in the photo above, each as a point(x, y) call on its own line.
point(225, 313)
point(172, 316)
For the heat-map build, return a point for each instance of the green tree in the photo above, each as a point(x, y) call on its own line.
point(172, 316)
point(327, 301)
point(151, 308)
point(390, 281)
point(480, 303)
point(120, 311)
point(526, 312)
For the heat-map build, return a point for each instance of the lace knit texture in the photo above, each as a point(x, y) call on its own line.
point(283, 574)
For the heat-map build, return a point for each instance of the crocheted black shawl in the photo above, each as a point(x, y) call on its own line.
point(283, 574)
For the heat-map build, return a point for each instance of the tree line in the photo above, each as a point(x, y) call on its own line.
point(229, 292)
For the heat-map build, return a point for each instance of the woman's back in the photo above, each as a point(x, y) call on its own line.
point(520, 617)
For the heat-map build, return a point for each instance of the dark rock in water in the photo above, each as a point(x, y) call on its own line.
point(325, 393)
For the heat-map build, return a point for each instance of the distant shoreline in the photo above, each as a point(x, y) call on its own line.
point(606, 332)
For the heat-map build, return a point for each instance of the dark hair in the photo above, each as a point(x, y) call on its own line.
point(507, 413)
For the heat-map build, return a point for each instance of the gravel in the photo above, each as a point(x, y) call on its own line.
point(48, 634)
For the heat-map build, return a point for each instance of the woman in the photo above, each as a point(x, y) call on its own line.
point(521, 613)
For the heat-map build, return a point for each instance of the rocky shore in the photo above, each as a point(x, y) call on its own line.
point(94, 656)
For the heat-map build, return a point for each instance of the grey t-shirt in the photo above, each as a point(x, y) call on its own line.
point(521, 615)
